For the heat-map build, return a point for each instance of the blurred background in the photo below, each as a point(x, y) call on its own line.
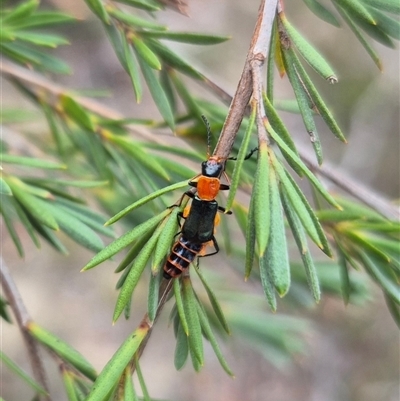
point(351, 352)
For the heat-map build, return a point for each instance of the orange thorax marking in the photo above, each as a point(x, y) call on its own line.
point(208, 188)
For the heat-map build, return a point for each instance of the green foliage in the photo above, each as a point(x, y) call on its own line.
point(21, 43)
point(21, 373)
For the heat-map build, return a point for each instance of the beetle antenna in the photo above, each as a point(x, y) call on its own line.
point(207, 124)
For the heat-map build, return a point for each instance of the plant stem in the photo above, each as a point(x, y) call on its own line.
point(250, 80)
point(21, 314)
point(352, 187)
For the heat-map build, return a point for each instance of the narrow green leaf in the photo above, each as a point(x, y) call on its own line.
point(41, 39)
point(288, 105)
point(7, 35)
point(25, 54)
point(21, 12)
point(388, 25)
point(116, 365)
point(379, 274)
point(123, 277)
point(181, 348)
point(261, 200)
point(190, 103)
point(214, 303)
point(116, 39)
point(391, 6)
point(205, 324)
point(301, 242)
point(364, 212)
point(299, 204)
point(148, 5)
point(98, 8)
point(86, 220)
point(357, 32)
point(375, 31)
point(393, 309)
point(235, 179)
point(31, 162)
point(126, 239)
point(43, 19)
point(152, 299)
point(127, 309)
point(129, 390)
point(168, 87)
point(134, 251)
point(4, 310)
point(179, 306)
point(24, 219)
point(32, 189)
point(337, 216)
point(76, 112)
point(133, 20)
point(187, 37)
point(158, 94)
point(4, 188)
point(250, 240)
point(134, 275)
point(317, 100)
point(322, 12)
point(69, 385)
point(296, 160)
point(344, 274)
point(195, 336)
point(62, 349)
point(50, 237)
point(22, 374)
point(145, 53)
point(32, 204)
point(145, 392)
point(173, 59)
point(5, 211)
point(277, 255)
point(165, 242)
point(267, 282)
point(280, 128)
point(132, 69)
point(81, 209)
point(356, 8)
point(363, 240)
point(146, 199)
point(313, 58)
point(74, 227)
point(305, 104)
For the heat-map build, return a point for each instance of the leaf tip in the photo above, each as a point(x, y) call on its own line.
point(332, 79)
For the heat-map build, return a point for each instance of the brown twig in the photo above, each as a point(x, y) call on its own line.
point(255, 59)
point(22, 317)
point(352, 187)
point(34, 79)
point(164, 291)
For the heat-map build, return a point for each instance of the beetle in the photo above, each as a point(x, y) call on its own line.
point(197, 232)
point(201, 217)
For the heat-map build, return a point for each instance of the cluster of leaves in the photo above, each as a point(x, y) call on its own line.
point(137, 44)
point(22, 43)
point(362, 237)
point(43, 206)
point(364, 16)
